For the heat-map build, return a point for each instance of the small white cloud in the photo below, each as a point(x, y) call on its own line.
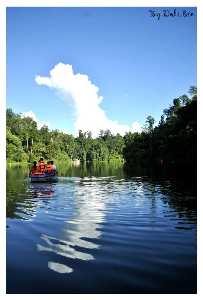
point(136, 127)
point(89, 115)
point(32, 115)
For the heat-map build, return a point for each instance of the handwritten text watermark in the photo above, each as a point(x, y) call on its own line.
point(170, 13)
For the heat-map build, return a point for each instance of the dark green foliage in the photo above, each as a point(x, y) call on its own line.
point(27, 143)
point(172, 145)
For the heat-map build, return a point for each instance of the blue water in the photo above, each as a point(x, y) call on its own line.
point(100, 235)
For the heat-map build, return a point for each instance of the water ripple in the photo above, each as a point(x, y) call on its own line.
point(129, 229)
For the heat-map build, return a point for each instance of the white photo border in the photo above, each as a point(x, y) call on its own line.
point(93, 3)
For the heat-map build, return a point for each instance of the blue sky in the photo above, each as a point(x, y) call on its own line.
point(138, 63)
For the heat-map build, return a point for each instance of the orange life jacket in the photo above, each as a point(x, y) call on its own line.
point(49, 168)
point(41, 167)
point(34, 169)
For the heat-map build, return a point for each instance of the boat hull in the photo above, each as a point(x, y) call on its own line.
point(43, 178)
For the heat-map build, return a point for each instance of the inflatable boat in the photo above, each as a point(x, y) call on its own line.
point(38, 177)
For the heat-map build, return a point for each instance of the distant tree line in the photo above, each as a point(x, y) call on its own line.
point(25, 143)
point(170, 144)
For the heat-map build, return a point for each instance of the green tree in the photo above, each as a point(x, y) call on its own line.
point(149, 124)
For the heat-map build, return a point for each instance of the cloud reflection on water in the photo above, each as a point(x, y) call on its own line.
point(59, 268)
point(89, 213)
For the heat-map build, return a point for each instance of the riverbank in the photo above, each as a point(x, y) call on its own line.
point(73, 162)
point(16, 164)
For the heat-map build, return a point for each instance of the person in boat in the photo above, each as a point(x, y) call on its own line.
point(34, 168)
point(53, 165)
point(51, 168)
point(41, 166)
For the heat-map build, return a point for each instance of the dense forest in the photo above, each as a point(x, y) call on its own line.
point(27, 143)
point(172, 144)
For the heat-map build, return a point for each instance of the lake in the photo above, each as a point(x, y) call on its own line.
point(98, 230)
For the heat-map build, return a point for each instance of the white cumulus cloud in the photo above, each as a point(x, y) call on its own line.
point(32, 115)
point(89, 114)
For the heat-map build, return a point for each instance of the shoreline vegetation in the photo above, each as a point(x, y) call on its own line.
point(74, 163)
point(170, 146)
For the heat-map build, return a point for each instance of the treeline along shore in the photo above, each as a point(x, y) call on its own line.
point(171, 145)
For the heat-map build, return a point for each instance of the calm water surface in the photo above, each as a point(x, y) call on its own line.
point(98, 231)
